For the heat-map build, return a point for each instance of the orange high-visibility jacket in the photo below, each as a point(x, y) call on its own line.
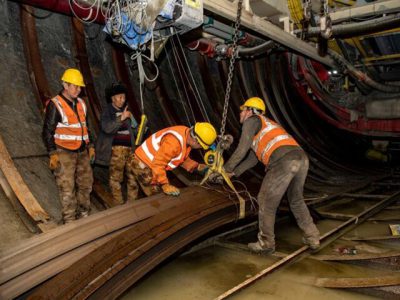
point(72, 129)
point(166, 150)
point(269, 138)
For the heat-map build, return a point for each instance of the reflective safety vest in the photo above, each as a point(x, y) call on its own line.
point(147, 151)
point(72, 129)
point(269, 138)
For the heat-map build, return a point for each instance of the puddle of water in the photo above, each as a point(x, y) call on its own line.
point(209, 272)
point(347, 206)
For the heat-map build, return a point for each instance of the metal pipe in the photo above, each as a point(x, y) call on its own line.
point(63, 6)
point(356, 29)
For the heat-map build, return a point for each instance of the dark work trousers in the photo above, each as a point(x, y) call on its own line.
point(287, 174)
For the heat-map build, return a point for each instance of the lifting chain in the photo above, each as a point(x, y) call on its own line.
point(231, 67)
point(216, 163)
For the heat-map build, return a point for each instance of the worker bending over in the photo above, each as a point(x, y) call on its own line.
point(168, 149)
point(286, 166)
point(115, 144)
point(66, 136)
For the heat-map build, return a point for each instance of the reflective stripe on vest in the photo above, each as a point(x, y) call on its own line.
point(269, 126)
point(269, 138)
point(72, 129)
point(150, 147)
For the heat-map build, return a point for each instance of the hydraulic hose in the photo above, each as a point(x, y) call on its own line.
point(356, 29)
point(259, 49)
point(362, 76)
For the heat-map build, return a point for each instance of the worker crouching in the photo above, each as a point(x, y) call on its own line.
point(169, 148)
point(115, 144)
point(66, 136)
point(286, 166)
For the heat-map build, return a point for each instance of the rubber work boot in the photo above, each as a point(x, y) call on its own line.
point(312, 243)
point(84, 214)
point(258, 248)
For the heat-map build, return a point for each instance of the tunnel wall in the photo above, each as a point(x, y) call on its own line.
point(165, 99)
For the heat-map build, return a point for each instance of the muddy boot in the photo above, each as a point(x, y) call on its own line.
point(67, 221)
point(258, 248)
point(314, 244)
point(83, 214)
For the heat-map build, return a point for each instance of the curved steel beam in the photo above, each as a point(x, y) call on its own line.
point(33, 58)
point(122, 75)
point(78, 32)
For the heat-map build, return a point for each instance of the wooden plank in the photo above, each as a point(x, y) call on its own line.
point(19, 186)
point(340, 283)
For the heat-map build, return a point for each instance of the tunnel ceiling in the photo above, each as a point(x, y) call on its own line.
point(337, 95)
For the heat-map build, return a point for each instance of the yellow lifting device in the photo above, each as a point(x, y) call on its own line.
point(214, 158)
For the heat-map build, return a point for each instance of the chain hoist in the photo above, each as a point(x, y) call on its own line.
point(213, 158)
point(231, 67)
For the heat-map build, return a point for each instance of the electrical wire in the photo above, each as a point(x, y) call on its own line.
point(244, 193)
point(198, 97)
point(89, 19)
point(175, 54)
point(179, 92)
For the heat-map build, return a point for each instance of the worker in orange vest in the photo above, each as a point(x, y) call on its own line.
point(66, 136)
point(168, 149)
point(286, 166)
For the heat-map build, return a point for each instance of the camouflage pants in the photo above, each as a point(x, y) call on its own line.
point(287, 174)
point(144, 176)
point(120, 162)
point(74, 178)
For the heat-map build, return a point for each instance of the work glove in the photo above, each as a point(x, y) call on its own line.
point(216, 178)
point(202, 169)
point(169, 189)
point(226, 141)
point(92, 155)
point(54, 161)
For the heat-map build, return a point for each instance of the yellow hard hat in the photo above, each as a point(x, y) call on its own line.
point(73, 76)
point(205, 134)
point(254, 102)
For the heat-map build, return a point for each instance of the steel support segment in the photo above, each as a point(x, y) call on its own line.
point(266, 28)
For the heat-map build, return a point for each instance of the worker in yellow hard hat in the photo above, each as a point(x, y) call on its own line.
point(286, 164)
point(168, 149)
point(68, 142)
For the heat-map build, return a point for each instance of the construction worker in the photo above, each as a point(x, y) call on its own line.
point(115, 144)
point(286, 166)
point(66, 136)
point(168, 149)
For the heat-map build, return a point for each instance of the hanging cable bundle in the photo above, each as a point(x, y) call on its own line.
point(138, 56)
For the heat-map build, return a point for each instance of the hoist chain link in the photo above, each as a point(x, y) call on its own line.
point(231, 67)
